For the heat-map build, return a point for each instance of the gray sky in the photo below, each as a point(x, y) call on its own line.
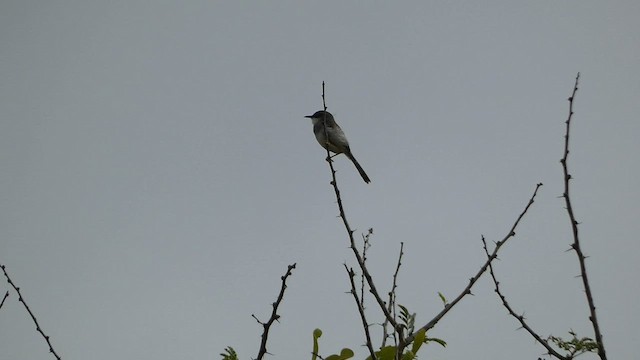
point(158, 174)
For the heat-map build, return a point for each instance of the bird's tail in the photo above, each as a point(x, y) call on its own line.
point(364, 175)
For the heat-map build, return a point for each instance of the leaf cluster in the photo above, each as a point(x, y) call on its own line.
point(575, 346)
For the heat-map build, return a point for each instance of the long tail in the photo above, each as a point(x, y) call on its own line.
point(364, 175)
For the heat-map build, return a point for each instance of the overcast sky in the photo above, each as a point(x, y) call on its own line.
point(158, 174)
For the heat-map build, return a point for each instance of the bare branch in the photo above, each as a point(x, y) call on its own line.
point(365, 324)
point(6, 295)
point(473, 280)
point(274, 314)
point(574, 227)
point(21, 299)
point(394, 285)
point(520, 318)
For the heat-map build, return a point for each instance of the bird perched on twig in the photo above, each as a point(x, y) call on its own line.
point(331, 137)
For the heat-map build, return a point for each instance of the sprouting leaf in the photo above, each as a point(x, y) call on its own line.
point(576, 346)
point(230, 354)
point(444, 300)
point(408, 319)
point(404, 313)
point(316, 334)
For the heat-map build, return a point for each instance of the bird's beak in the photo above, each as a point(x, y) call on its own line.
point(309, 116)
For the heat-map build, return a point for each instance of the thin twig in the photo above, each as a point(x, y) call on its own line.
point(385, 335)
point(365, 246)
point(520, 318)
point(6, 295)
point(392, 299)
point(392, 296)
point(394, 285)
point(473, 280)
point(574, 227)
point(274, 314)
point(365, 324)
point(21, 299)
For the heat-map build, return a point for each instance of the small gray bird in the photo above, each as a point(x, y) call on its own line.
point(337, 141)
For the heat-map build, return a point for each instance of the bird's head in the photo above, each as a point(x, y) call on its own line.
point(320, 115)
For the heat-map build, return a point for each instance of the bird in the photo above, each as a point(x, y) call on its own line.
point(333, 138)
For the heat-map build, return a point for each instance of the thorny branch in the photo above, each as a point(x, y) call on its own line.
point(365, 324)
point(520, 318)
point(21, 299)
point(574, 227)
point(365, 246)
point(473, 280)
point(274, 314)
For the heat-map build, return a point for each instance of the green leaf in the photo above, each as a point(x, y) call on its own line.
point(387, 353)
point(404, 313)
point(418, 341)
point(409, 355)
point(230, 354)
point(408, 319)
point(344, 355)
point(439, 341)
